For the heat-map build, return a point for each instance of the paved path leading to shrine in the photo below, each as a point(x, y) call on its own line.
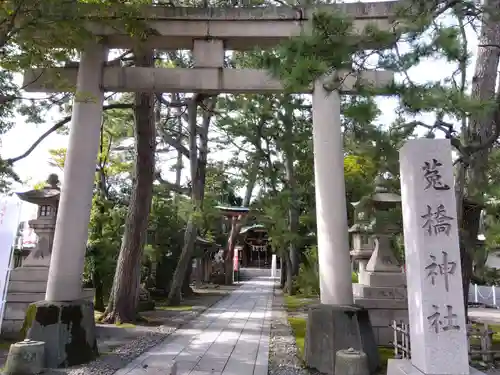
point(230, 338)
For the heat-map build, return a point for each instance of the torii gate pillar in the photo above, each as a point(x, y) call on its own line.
point(63, 306)
point(331, 215)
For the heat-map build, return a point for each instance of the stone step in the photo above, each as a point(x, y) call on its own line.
point(27, 286)
point(11, 328)
point(25, 297)
point(29, 274)
point(378, 292)
point(16, 310)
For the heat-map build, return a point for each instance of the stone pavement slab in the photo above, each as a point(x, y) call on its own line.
point(230, 338)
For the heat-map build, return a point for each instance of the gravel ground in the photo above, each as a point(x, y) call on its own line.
point(283, 358)
point(120, 357)
point(111, 362)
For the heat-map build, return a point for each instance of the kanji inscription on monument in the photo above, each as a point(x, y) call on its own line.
point(435, 296)
point(436, 221)
point(439, 322)
point(445, 269)
point(433, 176)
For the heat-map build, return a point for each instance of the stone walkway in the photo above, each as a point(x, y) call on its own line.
point(230, 338)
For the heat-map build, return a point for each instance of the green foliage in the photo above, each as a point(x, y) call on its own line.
point(302, 60)
point(307, 280)
point(354, 278)
point(106, 228)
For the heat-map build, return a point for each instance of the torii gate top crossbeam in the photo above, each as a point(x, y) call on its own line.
point(240, 28)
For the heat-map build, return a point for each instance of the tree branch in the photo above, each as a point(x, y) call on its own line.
point(171, 186)
point(57, 126)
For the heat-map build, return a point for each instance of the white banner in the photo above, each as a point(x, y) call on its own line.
point(10, 210)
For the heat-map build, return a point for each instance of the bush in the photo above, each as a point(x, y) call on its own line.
point(307, 281)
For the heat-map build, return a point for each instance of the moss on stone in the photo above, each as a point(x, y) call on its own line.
point(28, 320)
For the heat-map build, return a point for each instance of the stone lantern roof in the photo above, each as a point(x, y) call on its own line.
point(382, 198)
point(49, 195)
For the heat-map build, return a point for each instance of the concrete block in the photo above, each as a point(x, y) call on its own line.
point(332, 328)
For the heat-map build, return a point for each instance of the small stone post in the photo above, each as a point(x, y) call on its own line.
point(351, 362)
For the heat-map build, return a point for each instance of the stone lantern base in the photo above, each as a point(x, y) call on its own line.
point(384, 304)
point(68, 330)
point(383, 292)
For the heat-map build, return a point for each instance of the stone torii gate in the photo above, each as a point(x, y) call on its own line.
point(208, 33)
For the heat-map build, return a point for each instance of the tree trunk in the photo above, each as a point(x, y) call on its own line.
point(468, 243)
point(293, 212)
point(289, 276)
point(480, 136)
point(175, 293)
point(122, 306)
point(178, 164)
point(283, 273)
point(198, 172)
point(186, 288)
point(99, 290)
point(231, 243)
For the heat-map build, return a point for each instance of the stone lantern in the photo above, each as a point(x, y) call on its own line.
point(28, 283)
point(363, 242)
point(44, 225)
point(382, 285)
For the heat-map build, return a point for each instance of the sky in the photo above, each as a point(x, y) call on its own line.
point(36, 167)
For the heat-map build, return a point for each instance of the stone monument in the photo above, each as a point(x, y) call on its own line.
point(208, 32)
point(438, 332)
point(381, 287)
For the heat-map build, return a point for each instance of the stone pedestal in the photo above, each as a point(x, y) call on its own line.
point(68, 330)
point(404, 367)
point(383, 291)
point(331, 328)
